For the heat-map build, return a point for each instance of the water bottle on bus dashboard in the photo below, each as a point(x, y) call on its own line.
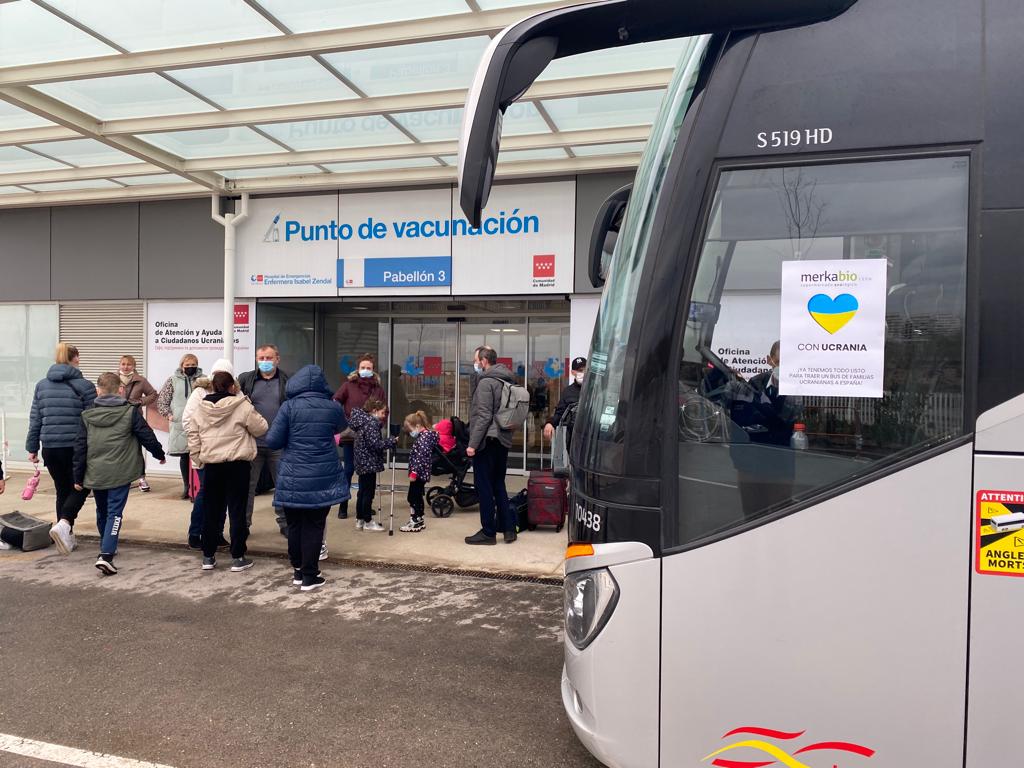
point(798, 441)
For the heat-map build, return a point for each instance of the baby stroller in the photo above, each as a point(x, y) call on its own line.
point(444, 498)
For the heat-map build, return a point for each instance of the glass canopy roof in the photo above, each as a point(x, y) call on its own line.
point(144, 25)
point(434, 66)
point(143, 95)
point(12, 117)
point(128, 99)
point(311, 15)
point(265, 83)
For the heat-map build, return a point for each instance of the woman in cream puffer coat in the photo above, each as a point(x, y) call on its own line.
point(222, 440)
point(203, 387)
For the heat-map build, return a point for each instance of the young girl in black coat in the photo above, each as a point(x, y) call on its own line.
point(420, 459)
point(370, 448)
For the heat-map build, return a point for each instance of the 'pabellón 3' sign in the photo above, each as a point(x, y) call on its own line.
point(409, 242)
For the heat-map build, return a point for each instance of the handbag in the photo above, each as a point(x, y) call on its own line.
point(30, 485)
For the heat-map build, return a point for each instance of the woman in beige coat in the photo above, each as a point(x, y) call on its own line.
point(222, 440)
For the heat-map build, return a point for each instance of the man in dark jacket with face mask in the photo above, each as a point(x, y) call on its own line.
point(266, 387)
point(570, 397)
point(488, 447)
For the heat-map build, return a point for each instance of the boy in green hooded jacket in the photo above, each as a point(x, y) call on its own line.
point(108, 459)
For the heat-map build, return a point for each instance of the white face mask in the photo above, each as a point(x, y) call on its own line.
point(365, 373)
point(578, 377)
point(477, 368)
point(415, 432)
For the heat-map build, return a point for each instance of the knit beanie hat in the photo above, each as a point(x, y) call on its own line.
point(223, 365)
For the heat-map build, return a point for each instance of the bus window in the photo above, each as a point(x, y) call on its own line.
point(600, 423)
point(750, 441)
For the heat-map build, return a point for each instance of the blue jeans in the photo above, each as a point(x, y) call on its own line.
point(195, 523)
point(489, 467)
point(109, 510)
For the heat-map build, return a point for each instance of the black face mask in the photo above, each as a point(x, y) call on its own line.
point(190, 371)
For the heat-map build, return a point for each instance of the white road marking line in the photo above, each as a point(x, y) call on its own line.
point(68, 755)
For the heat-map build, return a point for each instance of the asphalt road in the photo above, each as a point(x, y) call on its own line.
point(168, 664)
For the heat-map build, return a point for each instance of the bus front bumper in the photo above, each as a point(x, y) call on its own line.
point(610, 688)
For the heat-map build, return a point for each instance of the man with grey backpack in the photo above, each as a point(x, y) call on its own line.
point(499, 405)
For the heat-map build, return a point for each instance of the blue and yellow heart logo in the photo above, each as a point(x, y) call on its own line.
point(832, 314)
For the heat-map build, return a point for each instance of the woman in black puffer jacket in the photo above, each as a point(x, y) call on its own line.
point(54, 421)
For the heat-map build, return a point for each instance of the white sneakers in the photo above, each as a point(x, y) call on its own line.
point(4, 545)
point(63, 537)
point(368, 525)
point(323, 551)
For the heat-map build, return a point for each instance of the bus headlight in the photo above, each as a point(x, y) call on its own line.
point(590, 598)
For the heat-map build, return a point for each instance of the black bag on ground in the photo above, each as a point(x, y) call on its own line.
point(24, 531)
point(520, 504)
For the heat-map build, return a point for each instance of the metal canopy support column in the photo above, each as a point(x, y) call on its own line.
point(229, 221)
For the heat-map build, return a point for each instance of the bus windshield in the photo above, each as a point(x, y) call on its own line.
point(598, 422)
point(825, 335)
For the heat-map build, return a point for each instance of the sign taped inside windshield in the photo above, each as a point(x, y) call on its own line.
point(833, 328)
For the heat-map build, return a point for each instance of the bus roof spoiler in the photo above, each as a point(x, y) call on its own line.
point(523, 50)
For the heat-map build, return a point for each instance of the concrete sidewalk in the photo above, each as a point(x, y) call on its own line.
point(160, 517)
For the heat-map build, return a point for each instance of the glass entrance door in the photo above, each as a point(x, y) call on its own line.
point(423, 374)
point(548, 376)
point(425, 361)
point(346, 338)
point(508, 338)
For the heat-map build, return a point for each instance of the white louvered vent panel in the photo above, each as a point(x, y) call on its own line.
point(103, 332)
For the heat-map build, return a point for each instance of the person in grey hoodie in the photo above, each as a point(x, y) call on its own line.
point(56, 414)
point(488, 448)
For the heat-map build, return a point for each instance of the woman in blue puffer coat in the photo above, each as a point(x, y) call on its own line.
point(309, 478)
point(54, 420)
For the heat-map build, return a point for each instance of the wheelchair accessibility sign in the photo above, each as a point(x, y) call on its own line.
point(999, 537)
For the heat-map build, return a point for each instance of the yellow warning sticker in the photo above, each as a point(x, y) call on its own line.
point(999, 542)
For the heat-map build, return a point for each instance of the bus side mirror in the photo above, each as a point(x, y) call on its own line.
point(521, 51)
point(606, 234)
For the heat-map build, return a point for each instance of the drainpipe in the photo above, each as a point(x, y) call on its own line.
point(229, 221)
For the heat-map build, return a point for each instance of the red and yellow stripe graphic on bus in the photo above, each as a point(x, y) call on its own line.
point(775, 752)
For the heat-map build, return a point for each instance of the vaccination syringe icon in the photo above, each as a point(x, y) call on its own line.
point(273, 233)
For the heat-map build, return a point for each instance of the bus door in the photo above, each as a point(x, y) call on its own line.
point(815, 589)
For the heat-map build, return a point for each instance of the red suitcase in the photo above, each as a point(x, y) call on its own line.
point(547, 500)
